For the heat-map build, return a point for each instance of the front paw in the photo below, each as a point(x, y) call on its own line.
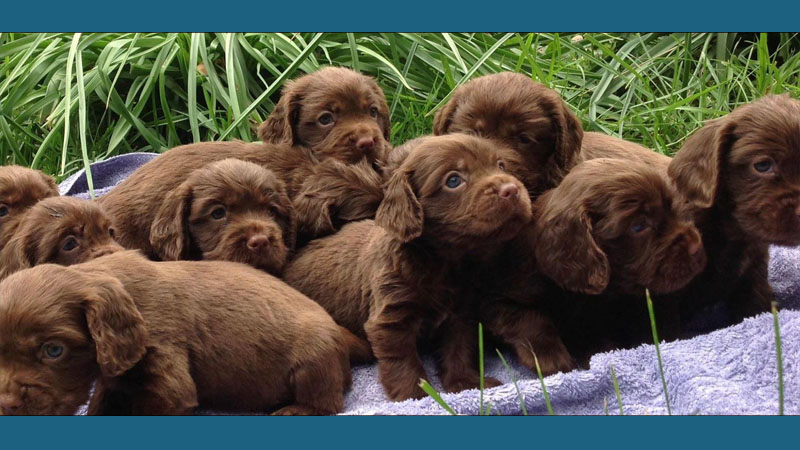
point(469, 382)
point(552, 359)
point(399, 391)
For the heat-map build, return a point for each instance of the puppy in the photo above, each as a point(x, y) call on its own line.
point(336, 112)
point(740, 176)
point(400, 280)
point(165, 338)
point(609, 231)
point(229, 210)
point(332, 173)
point(20, 188)
point(598, 145)
point(58, 230)
point(525, 116)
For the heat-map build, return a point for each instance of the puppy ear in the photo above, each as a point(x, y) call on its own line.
point(444, 116)
point(400, 213)
point(285, 208)
point(116, 326)
point(16, 255)
point(383, 119)
point(168, 234)
point(696, 168)
point(51, 184)
point(565, 248)
point(568, 136)
point(280, 126)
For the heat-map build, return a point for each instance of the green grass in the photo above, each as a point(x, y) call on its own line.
point(779, 356)
point(67, 99)
point(658, 349)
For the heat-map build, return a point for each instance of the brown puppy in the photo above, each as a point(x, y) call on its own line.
point(230, 210)
point(165, 338)
point(59, 230)
point(741, 178)
point(605, 234)
point(20, 188)
point(336, 112)
point(400, 280)
point(525, 116)
point(598, 145)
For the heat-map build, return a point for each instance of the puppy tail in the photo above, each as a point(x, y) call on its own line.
point(359, 349)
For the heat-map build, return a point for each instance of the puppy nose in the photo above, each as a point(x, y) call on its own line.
point(258, 242)
point(509, 191)
point(365, 144)
point(10, 404)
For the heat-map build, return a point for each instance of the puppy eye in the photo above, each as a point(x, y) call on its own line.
point(763, 166)
point(218, 213)
point(112, 233)
point(3, 211)
point(525, 139)
point(325, 119)
point(639, 226)
point(70, 244)
point(453, 181)
point(373, 111)
point(501, 165)
point(52, 351)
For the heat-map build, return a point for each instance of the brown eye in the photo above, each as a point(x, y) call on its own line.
point(218, 213)
point(525, 139)
point(112, 233)
point(70, 244)
point(373, 111)
point(501, 165)
point(3, 210)
point(325, 119)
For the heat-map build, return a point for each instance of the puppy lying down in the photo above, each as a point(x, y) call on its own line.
point(20, 188)
point(165, 338)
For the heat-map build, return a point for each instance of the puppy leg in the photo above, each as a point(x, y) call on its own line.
point(459, 351)
point(754, 294)
point(167, 387)
point(529, 332)
point(318, 386)
point(393, 335)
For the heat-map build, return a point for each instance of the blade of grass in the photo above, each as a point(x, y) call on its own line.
point(779, 353)
point(541, 380)
point(658, 348)
point(68, 95)
point(435, 396)
point(480, 364)
point(191, 88)
point(616, 389)
point(351, 39)
point(82, 119)
point(514, 380)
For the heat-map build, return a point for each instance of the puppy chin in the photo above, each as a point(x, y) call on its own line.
point(676, 274)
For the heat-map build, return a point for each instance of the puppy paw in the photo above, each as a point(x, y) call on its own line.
point(553, 361)
point(398, 392)
point(469, 382)
point(301, 410)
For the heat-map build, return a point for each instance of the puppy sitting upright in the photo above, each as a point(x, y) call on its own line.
point(400, 280)
point(59, 230)
point(165, 338)
point(325, 141)
point(740, 176)
point(20, 188)
point(229, 210)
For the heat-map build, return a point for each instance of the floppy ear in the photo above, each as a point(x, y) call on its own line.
point(169, 235)
point(285, 208)
point(16, 255)
point(568, 136)
point(400, 213)
point(565, 248)
point(383, 119)
point(280, 126)
point(444, 117)
point(116, 326)
point(51, 184)
point(696, 169)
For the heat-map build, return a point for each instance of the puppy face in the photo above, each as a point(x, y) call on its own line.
point(611, 224)
point(59, 330)
point(454, 190)
point(336, 112)
point(230, 210)
point(59, 230)
point(20, 188)
point(748, 164)
point(523, 115)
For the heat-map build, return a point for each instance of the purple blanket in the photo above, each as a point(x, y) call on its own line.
point(729, 371)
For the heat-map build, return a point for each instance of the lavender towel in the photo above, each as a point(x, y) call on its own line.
point(729, 371)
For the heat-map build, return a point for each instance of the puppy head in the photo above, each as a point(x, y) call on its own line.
point(59, 330)
point(454, 191)
point(230, 210)
point(611, 224)
point(20, 188)
point(59, 230)
point(525, 116)
point(336, 112)
point(747, 164)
